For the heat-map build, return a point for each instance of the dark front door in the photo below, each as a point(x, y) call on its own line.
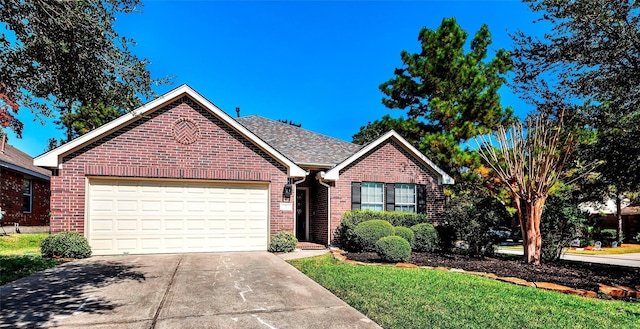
point(301, 214)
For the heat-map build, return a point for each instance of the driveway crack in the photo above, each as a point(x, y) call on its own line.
point(166, 293)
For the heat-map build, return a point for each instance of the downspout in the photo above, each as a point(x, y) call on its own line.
point(320, 177)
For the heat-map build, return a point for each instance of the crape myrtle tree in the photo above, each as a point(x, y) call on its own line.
point(591, 56)
point(449, 96)
point(529, 160)
point(56, 56)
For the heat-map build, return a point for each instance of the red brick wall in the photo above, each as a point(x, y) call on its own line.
point(11, 200)
point(147, 148)
point(387, 163)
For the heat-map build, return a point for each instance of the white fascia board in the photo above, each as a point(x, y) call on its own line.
point(334, 173)
point(53, 158)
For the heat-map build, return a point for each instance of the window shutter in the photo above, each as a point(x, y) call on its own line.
point(390, 197)
point(421, 198)
point(355, 196)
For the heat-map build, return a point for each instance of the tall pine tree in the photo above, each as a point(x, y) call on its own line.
point(454, 94)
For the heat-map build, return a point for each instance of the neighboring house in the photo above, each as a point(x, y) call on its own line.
point(24, 188)
point(630, 221)
point(180, 175)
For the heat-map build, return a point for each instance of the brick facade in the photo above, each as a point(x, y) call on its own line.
point(151, 147)
point(11, 199)
point(387, 163)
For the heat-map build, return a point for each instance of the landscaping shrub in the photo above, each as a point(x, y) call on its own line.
point(405, 233)
point(65, 245)
point(344, 236)
point(426, 237)
point(561, 222)
point(393, 249)
point(283, 241)
point(369, 232)
point(406, 219)
point(638, 238)
point(471, 217)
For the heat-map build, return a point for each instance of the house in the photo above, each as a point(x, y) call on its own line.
point(605, 216)
point(24, 189)
point(180, 175)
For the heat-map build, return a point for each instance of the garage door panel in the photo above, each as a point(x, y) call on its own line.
point(159, 217)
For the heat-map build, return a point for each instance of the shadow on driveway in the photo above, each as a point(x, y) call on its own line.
point(61, 291)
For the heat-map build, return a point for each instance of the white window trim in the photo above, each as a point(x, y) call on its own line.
point(30, 195)
point(364, 205)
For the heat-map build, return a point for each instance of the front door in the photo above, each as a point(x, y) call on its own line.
point(302, 221)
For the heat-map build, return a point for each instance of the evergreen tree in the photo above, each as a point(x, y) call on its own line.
point(453, 94)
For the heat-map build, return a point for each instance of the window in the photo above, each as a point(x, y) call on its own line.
point(27, 194)
point(389, 197)
point(372, 196)
point(405, 195)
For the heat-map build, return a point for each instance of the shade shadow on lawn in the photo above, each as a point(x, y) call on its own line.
point(61, 291)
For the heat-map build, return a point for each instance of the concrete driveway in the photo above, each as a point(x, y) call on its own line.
point(229, 290)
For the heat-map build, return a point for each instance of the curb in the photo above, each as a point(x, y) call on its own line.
point(614, 292)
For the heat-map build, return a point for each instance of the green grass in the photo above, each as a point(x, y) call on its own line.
point(16, 267)
point(421, 298)
point(20, 256)
point(21, 244)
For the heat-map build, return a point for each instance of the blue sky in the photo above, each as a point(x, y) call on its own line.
point(317, 63)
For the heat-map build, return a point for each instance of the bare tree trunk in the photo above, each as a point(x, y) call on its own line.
point(533, 243)
point(619, 217)
point(522, 219)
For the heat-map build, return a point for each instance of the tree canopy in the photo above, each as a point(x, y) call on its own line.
point(589, 62)
point(58, 55)
point(452, 94)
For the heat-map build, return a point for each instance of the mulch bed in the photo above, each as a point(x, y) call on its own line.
point(571, 274)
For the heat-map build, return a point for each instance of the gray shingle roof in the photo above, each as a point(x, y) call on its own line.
point(12, 158)
point(301, 146)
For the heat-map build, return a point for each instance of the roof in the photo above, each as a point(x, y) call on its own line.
point(53, 158)
point(630, 210)
point(14, 159)
point(305, 148)
point(443, 178)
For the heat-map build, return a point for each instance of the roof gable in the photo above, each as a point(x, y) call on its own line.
point(304, 147)
point(53, 158)
point(14, 159)
point(443, 178)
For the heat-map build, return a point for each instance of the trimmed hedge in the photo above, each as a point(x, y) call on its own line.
point(405, 233)
point(65, 245)
point(283, 241)
point(369, 232)
point(426, 237)
point(393, 249)
point(344, 236)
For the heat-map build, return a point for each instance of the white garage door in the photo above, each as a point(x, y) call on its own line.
point(144, 217)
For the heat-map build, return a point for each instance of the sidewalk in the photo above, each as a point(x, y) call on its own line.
point(630, 260)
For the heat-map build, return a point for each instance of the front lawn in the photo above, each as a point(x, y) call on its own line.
point(20, 256)
point(21, 244)
point(421, 298)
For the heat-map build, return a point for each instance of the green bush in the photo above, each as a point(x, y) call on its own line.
point(65, 245)
point(283, 241)
point(561, 222)
point(369, 232)
point(344, 236)
point(393, 249)
point(426, 237)
point(471, 216)
point(405, 233)
point(638, 238)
